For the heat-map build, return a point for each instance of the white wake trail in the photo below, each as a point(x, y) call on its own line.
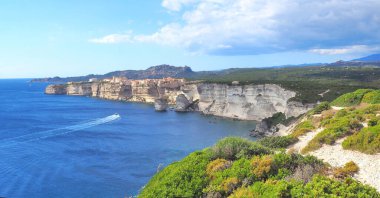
point(55, 132)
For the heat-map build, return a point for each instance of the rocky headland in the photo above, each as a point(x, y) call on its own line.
point(244, 102)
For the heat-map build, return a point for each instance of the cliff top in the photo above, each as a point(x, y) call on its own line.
point(154, 72)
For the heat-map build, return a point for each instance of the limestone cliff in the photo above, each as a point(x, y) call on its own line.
point(246, 102)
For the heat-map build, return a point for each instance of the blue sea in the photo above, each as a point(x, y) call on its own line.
point(73, 146)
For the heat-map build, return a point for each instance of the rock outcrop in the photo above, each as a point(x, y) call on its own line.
point(246, 102)
point(182, 103)
point(56, 89)
point(160, 104)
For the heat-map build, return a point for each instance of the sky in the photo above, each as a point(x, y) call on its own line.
point(44, 38)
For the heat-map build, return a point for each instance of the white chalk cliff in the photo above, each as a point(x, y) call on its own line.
point(246, 102)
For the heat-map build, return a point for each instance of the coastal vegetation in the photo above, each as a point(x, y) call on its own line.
point(358, 122)
point(302, 128)
point(236, 167)
point(321, 82)
point(312, 83)
point(366, 141)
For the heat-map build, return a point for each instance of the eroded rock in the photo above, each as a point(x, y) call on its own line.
point(160, 104)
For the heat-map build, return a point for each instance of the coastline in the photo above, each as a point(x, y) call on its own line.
point(242, 102)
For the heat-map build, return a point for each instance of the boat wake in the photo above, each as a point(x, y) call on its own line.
point(55, 132)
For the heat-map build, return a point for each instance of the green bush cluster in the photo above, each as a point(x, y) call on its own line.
point(278, 118)
point(335, 128)
point(323, 106)
point(372, 97)
point(233, 148)
point(302, 128)
point(350, 99)
point(185, 178)
point(349, 169)
point(319, 186)
point(258, 172)
point(366, 141)
point(277, 142)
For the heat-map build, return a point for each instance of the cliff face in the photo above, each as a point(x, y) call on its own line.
point(246, 102)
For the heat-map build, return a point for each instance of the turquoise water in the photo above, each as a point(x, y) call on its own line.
point(69, 146)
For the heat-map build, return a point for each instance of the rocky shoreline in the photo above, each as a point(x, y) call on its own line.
point(243, 102)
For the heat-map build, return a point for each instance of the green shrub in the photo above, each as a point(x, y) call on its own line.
point(372, 122)
point(261, 166)
point(303, 128)
point(232, 148)
point(217, 165)
point(350, 99)
point(335, 128)
point(323, 106)
point(185, 178)
point(272, 188)
point(240, 169)
point(321, 186)
point(341, 113)
point(243, 192)
point(372, 97)
point(366, 141)
point(349, 169)
point(265, 174)
point(278, 141)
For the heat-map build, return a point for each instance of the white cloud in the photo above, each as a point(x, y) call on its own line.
point(113, 38)
point(236, 27)
point(176, 5)
point(355, 49)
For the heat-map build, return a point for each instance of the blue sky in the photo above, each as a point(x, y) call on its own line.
point(41, 38)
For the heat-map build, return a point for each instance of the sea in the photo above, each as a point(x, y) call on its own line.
point(75, 146)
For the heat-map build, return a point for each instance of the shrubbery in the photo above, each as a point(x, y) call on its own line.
point(217, 165)
point(319, 186)
point(233, 148)
point(258, 172)
point(372, 97)
point(349, 169)
point(302, 128)
point(350, 99)
point(323, 106)
point(366, 141)
point(278, 141)
point(341, 125)
point(185, 178)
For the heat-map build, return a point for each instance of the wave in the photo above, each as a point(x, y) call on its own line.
point(55, 132)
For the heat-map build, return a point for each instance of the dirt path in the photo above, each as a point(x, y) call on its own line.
point(369, 165)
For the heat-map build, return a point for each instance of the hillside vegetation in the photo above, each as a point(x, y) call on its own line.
point(236, 167)
point(312, 83)
point(309, 82)
point(359, 122)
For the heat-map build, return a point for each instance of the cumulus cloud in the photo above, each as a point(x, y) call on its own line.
point(176, 5)
point(113, 38)
point(237, 27)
